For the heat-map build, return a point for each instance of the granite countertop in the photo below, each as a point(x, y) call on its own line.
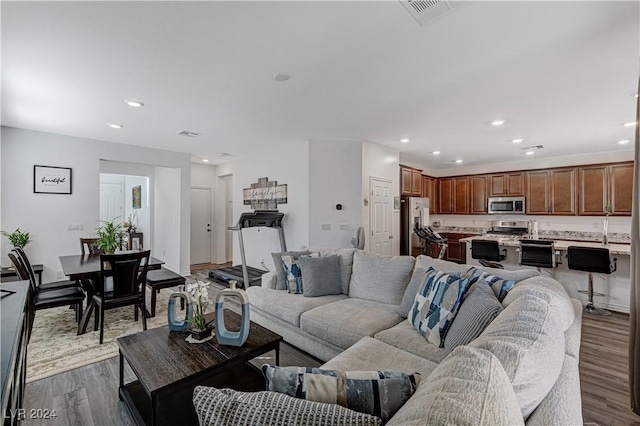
point(614, 248)
point(595, 237)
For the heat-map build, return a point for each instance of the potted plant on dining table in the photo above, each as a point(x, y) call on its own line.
point(111, 236)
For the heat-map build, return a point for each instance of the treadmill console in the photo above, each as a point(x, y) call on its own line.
point(267, 218)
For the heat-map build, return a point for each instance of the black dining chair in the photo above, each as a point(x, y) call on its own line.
point(54, 285)
point(45, 299)
point(88, 246)
point(129, 274)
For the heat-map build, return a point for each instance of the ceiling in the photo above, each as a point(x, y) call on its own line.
point(562, 75)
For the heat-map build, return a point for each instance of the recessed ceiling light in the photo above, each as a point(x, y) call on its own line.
point(115, 126)
point(224, 154)
point(281, 77)
point(629, 124)
point(497, 123)
point(135, 104)
point(436, 152)
point(530, 152)
point(458, 161)
point(517, 140)
point(635, 95)
point(204, 160)
point(624, 141)
point(405, 140)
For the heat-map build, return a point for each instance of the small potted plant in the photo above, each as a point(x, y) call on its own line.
point(200, 328)
point(18, 238)
point(110, 236)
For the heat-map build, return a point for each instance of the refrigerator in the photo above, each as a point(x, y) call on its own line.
point(413, 211)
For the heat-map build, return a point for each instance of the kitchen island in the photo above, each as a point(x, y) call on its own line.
point(614, 286)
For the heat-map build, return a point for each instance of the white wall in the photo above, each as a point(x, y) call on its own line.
point(335, 173)
point(46, 216)
point(380, 162)
point(168, 218)
point(287, 166)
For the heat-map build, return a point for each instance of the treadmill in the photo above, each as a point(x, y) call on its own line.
point(246, 275)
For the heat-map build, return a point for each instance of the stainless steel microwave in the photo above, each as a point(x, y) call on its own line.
point(506, 205)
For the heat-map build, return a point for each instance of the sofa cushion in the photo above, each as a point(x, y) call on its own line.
point(321, 275)
point(436, 305)
point(379, 393)
point(281, 278)
point(404, 336)
point(427, 262)
point(499, 285)
point(417, 279)
point(528, 340)
point(345, 322)
point(287, 307)
point(469, 387)
point(373, 354)
point(380, 278)
point(292, 272)
point(515, 275)
point(345, 256)
point(479, 308)
point(229, 407)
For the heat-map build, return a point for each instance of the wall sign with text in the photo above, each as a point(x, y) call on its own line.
point(265, 194)
point(51, 180)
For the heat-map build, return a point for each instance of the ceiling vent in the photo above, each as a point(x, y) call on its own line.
point(188, 134)
point(425, 11)
point(532, 148)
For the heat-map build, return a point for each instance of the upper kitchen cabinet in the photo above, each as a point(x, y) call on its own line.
point(445, 195)
point(410, 181)
point(604, 183)
point(430, 191)
point(461, 195)
point(551, 191)
point(506, 184)
point(478, 194)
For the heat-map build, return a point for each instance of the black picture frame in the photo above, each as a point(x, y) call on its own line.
point(136, 196)
point(52, 180)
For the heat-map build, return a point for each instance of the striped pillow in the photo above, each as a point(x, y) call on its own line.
point(479, 308)
point(500, 286)
point(229, 407)
point(379, 393)
point(436, 305)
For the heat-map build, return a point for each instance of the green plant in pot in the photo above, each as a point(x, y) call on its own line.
point(110, 236)
point(18, 238)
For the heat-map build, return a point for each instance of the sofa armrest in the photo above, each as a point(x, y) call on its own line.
point(269, 280)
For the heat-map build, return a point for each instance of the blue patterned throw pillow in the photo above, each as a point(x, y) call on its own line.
point(292, 272)
point(499, 285)
point(436, 305)
point(378, 393)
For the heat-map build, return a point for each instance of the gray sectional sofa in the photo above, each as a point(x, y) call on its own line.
point(524, 362)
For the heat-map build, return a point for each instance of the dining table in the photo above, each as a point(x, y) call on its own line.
point(86, 267)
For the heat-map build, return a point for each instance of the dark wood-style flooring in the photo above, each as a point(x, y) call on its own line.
point(89, 395)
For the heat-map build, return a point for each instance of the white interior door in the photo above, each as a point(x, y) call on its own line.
point(111, 201)
point(380, 216)
point(200, 225)
point(229, 220)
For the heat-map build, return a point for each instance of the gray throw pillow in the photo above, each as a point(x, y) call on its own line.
point(281, 278)
point(478, 309)
point(321, 275)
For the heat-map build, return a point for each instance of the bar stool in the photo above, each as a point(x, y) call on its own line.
point(488, 253)
point(592, 260)
point(538, 253)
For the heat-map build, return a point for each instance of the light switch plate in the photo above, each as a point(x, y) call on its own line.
point(325, 227)
point(344, 226)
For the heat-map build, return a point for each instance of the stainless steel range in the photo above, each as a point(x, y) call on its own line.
point(509, 227)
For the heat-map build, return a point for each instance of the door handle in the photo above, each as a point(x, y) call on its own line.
point(208, 230)
point(391, 237)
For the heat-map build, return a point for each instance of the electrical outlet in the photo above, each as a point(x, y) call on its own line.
point(325, 227)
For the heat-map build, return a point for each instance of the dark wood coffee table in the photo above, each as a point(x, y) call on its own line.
point(168, 369)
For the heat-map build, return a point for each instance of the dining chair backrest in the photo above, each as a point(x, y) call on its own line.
point(88, 246)
point(128, 271)
point(20, 268)
point(27, 265)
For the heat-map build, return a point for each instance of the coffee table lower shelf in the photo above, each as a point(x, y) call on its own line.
point(177, 407)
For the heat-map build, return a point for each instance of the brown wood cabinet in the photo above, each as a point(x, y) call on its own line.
point(506, 184)
point(445, 195)
point(461, 195)
point(410, 181)
point(478, 195)
point(551, 191)
point(537, 192)
point(604, 183)
point(430, 191)
point(456, 251)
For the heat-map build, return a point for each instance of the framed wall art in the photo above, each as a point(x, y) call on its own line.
point(51, 180)
point(137, 196)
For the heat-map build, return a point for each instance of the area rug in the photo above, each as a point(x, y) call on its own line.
point(55, 348)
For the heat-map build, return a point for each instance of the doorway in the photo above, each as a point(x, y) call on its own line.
point(111, 200)
point(228, 217)
point(380, 216)
point(200, 225)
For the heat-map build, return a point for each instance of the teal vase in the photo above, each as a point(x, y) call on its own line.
point(174, 323)
point(224, 336)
